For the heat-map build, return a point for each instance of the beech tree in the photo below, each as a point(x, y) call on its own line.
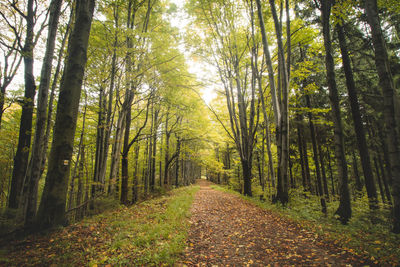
point(52, 206)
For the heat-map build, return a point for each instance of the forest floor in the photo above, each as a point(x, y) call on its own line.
point(189, 226)
point(229, 231)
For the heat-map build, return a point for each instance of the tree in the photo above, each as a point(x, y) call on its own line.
point(52, 206)
point(390, 103)
point(34, 170)
point(358, 125)
point(24, 138)
point(344, 209)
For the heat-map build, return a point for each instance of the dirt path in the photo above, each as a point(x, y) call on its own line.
point(226, 230)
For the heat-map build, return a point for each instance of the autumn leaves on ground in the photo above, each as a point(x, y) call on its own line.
point(195, 225)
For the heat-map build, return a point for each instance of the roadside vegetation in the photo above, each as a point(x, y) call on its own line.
point(150, 233)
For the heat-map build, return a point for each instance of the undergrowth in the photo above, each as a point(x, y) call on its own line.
point(151, 233)
point(367, 233)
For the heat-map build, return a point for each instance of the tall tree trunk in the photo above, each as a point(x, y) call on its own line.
point(110, 112)
point(124, 160)
point(384, 178)
point(49, 125)
point(283, 139)
point(275, 103)
point(356, 173)
point(301, 154)
point(116, 150)
point(34, 172)
point(154, 151)
point(324, 180)
point(331, 172)
point(80, 147)
point(135, 189)
point(266, 126)
point(97, 183)
point(378, 175)
point(79, 194)
point(166, 156)
point(316, 159)
point(390, 103)
point(160, 162)
point(306, 163)
point(25, 128)
point(52, 207)
point(178, 150)
point(344, 209)
point(358, 125)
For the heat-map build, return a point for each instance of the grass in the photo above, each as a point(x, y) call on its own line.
point(366, 234)
point(150, 233)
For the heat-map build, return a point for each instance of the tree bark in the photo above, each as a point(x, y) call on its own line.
point(34, 171)
point(52, 206)
point(283, 139)
point(358, 125)
point(390, 103)
point(344, 209)
point(320, 192)
point(323, 173)
point(25, 128)
point(124, 160)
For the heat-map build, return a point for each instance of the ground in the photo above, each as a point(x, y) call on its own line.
point(227, 230)
point(189, 226)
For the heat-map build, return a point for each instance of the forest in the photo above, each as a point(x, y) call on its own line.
point(291, 105)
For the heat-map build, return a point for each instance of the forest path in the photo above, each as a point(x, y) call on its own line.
point(227, 230)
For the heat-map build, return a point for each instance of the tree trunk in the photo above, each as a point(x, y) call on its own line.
point(52, 206)
point(79, 194)
point(34, 172)
point(378, 175)
point(324, 180)
point(316, 159)
point(283, 139)
point(154, 151)
point(384, 178)
point(307, 164)
point(301, 154)
point(25, 128)
point(358, 125)
point(166, 156)
point(80, 147)
point(356, 174)
point(110, 113)
point(135, 189)
point(390, 103)
point(49, 125)
point(97, 183)
point(124, 160)
point(331, 172)
point(178, 149)
point(344, 209)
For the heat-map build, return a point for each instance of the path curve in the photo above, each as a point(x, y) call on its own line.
point(229, 231)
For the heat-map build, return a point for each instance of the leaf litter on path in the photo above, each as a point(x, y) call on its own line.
point(229, 231)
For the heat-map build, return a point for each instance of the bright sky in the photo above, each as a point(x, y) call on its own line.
point(204, 72)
